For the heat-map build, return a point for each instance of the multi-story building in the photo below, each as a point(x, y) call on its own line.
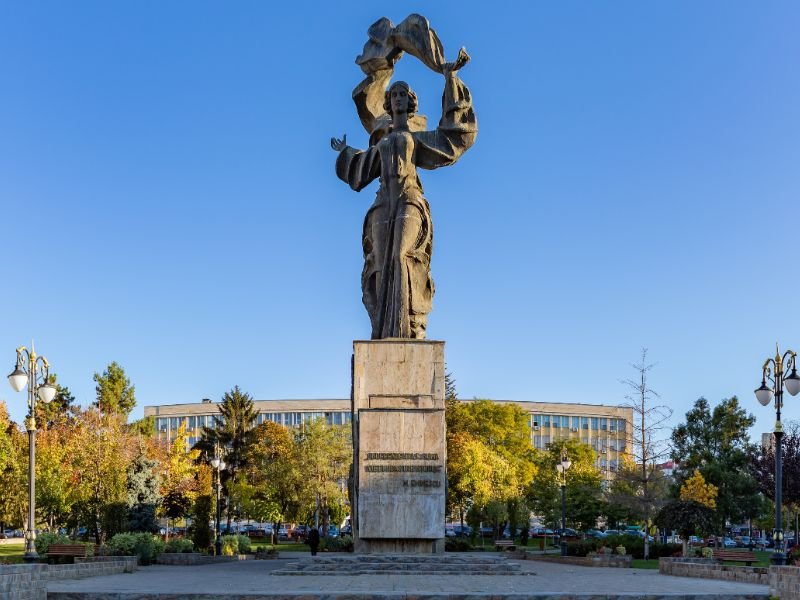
point(607, 429)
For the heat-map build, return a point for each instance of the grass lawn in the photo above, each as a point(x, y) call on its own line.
point(640, 563)
point(281, 546)
point(12, 552)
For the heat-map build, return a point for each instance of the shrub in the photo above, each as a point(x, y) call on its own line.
point(230, 545)
point(179, 545)
point(144, 545)
point(457, 545)
point(336, 544)
point(707, 552)
point(244, 544)
point(45, 540)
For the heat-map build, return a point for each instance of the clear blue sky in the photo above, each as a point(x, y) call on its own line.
point(169, 201)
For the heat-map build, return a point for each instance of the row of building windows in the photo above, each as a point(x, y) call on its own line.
point(566, 422)
point(288, 419)
point(541, 441)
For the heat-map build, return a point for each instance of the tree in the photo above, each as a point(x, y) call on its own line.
point(13, 471)
point(762, 461)
point(178, 487)
point(60, 410)
point(695, 489)
point(487, 441)
point(142, 493)
point(115, 394)
point(274, 470)
point(716, 443)
point(641, 479)
point(687, 517)
point(325, 455)
point(583, 489)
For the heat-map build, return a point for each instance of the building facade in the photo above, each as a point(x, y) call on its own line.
point(607, 429)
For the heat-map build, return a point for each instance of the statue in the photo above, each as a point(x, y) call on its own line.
point(398, 233)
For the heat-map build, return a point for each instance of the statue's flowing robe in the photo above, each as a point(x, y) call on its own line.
point(398, 234)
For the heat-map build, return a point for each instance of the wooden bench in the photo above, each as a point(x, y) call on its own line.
point(69, 550)
point(735, 556)
point(505, 544)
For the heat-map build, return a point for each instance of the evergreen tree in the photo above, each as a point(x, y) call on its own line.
point(716, 443)
point(143, 494)
point(115, 394)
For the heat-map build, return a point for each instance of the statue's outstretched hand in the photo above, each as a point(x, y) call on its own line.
point(463, 59)
point(339, 145)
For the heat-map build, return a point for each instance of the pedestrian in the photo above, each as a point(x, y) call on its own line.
point(313, 541)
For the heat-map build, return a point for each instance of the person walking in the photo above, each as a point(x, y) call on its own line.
point(313, 541)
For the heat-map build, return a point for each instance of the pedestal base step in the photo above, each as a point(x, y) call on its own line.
point(370, 564)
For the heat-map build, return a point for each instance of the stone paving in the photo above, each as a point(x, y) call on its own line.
point(254, 579)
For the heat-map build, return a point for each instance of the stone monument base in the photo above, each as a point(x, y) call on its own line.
point(399, 449)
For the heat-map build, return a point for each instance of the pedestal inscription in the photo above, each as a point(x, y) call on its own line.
point(399, 443)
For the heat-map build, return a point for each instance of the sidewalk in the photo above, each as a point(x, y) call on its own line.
point(252, 579)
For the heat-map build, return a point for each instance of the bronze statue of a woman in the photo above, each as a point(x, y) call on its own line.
point(398, 233)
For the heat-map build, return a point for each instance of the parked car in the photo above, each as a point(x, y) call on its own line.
point(541, 532)
point(609, 532)
point(567, 533)
point(333, 531)
point(283, 533)
point(595, 533)
point(300, 532)
point(728, 543)
point(462, 530)
point(346, 530)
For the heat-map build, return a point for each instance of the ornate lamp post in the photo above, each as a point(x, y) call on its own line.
point(219, 465)
point(776, 371)
point(33, 371)
point(561, 468)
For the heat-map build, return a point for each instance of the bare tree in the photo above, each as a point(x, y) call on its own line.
point(640, 486)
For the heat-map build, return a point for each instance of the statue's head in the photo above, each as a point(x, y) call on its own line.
point(400, 98)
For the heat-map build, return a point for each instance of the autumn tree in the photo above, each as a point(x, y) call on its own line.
point(695, 489)
point(488, 439)
point(115, 394)
point(274, 471)
point(13, 471)
point(179, 485)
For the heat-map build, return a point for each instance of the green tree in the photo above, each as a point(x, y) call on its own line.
point(688, 518)
point(13, 471)
point(233, 432)
point(716, 443)
point(146, 426)
point(60, 410)
point(583, 490)
point(142, 493)
point(325, 454)
point(115, 394)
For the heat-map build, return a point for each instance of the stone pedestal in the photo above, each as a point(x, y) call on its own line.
point(399, 448)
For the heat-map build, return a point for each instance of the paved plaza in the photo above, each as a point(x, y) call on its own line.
point(253, 579)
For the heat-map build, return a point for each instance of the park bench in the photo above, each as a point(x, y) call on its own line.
point(505, 544)
point(735, 556)
point(69, 550)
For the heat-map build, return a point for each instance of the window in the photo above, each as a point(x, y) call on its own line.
point(595, 423)
point(556, 421)
point(545, 441)
point(564, 422)
point(174, 423)
point(584, 422)
point(161, 424)
point(603, 424)
point(537, 441)
point(576, 422)
point(545, 420)
point(620, 424)
point(191, 423)
point(534, 420)
point(347, 418)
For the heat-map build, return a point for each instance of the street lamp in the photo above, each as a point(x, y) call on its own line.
point(780, 377)
point(561, 468)
point(33, 371)
point(219, 465)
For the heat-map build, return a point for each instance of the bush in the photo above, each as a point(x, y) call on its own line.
point(144, 545)
point(336, 544)
point(633, 546)
point(244, 544)
point(230, 545)
point(179, 545)
point(45, 540)
point(457, 545)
